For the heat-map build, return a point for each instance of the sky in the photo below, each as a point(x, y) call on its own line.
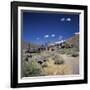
point(43, 28)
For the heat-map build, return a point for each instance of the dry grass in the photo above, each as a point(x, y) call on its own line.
point(53, 69)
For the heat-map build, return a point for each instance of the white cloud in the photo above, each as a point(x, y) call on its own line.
point(68, 19)
point(46, 36)
point(60, 37)
point(53, 35)
point(62, 19)
point(65, 19)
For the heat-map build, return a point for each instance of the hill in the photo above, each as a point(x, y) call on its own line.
point(74, 41)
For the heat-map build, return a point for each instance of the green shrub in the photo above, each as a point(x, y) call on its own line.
point(26, 59)
point(68, 51)
point(59, 61)
point(75, 54)
point(31, 69)
point(44, 64)
point(62, 52)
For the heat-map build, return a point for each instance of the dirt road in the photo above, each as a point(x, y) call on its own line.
point(73, 62)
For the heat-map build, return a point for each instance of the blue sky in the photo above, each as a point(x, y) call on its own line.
point(41, 28)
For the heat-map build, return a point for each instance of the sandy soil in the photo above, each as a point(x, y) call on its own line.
point(73, 62)
point(70, 66)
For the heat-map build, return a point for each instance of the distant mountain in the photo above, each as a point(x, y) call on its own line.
point(57, 42)
point(74, 40)
point(70, 42)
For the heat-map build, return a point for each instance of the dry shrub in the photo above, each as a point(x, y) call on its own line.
point(44, 65)
point(58, 60)
point(75, 54)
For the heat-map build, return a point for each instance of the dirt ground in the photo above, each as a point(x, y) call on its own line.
point(70, 66)
point(73, 62)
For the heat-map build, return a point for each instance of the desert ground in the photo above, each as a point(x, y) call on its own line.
point(50, 63)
